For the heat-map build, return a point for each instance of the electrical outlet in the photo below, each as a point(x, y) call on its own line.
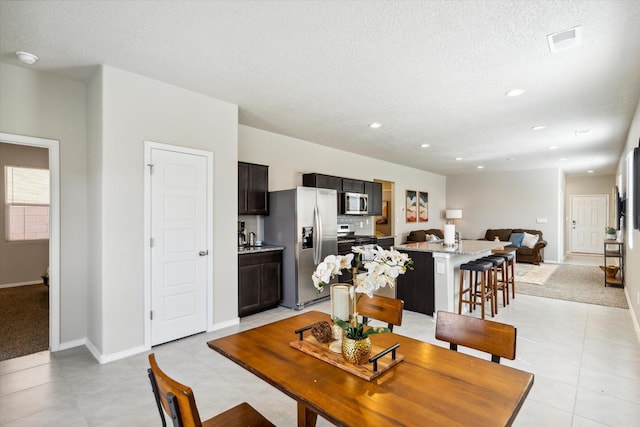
point(440, 268)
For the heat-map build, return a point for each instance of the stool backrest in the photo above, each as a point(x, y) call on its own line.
point(498, 339)
point(381, 308)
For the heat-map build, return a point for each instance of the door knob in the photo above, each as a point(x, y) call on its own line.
point(203, 253)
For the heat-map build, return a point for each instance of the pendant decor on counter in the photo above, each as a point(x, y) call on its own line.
point(357, 352)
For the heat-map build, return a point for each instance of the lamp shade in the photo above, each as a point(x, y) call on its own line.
point(454, 213)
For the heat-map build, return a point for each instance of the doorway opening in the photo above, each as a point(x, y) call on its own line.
point(52, 259)
point(384, 224)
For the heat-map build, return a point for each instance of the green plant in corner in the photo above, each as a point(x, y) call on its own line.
point(610, 231)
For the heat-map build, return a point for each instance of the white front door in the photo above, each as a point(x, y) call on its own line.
point(178, 245)
point(588, 220)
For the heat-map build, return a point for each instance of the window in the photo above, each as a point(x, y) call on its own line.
point(27, 203)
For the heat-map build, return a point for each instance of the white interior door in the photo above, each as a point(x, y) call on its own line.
point(178, 249)
point(588, 220)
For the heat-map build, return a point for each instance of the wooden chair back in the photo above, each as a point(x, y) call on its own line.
point(498, 339)
point(381, 308)
point(176, 399)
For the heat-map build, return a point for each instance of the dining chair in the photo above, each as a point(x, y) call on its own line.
point(498, 339)
point(381, 308)
point(179, 402)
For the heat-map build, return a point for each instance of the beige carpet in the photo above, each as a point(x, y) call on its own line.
point(580, 283)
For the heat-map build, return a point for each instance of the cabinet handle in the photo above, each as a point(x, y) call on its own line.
point(203, 253)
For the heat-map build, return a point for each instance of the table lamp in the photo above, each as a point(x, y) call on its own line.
point(450, 229)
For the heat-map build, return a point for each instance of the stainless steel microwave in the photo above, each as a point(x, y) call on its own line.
point(355, 204)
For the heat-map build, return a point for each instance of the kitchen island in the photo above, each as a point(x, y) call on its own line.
point(434, 283)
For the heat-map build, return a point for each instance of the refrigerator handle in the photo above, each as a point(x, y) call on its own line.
point(316, 237)
point(320, 236)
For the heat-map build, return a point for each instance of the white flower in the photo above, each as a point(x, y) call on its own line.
point(329, 268)
point(383, 267)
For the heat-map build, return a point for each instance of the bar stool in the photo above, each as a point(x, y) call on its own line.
point(510, 261)
point(475, 268)
point(498, 284)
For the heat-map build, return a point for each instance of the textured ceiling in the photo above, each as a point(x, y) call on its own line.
point(433, 72)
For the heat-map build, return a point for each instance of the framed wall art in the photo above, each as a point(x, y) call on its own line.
point(423, 207)
point(411, 210)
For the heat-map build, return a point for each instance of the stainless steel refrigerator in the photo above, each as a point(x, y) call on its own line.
point(305, 221)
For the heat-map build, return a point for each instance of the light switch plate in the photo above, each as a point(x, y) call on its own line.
point(541, 220)
point(440, 268)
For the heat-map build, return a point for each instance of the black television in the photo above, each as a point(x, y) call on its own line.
point(620, 208)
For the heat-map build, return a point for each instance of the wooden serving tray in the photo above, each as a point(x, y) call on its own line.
point(321, 351)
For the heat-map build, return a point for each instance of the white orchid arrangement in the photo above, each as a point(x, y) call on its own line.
point(383, 267)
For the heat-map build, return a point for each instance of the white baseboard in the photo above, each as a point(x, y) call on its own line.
point(106, 358)
point(14, 285)
point(634, 318)
point(71, 344)
point(222, 325)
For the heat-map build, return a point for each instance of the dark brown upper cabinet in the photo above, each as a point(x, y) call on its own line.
point(253, 189)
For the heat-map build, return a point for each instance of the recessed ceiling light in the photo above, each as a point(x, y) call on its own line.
point(27, 58)
point(458, 158)
point(583, 132)
point(590, 171)
point(553, 147)
point(480, 167)
point(515, 92)
point(375, 125)
point(424, 145)
point(538, 127)
point(562, 159)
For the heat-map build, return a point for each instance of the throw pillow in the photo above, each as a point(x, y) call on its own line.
point(530, 240)
point(516, 239)
point(434, 238)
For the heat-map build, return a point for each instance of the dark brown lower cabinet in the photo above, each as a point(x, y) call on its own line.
point(416, 287)
point(259, 281)
point(386, 242)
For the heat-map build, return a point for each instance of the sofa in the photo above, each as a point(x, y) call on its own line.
point(421, 235)
point(530, 252)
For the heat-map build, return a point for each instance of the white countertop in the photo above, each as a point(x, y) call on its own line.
point(465, 247)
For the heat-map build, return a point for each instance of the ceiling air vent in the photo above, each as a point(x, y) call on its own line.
point(564, 40)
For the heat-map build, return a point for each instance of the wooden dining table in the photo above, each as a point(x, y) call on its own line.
point(431, 386)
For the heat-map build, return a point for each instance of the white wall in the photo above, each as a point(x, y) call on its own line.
point(135, 109)
point(95, 319)
point(289, 158)
point(508, 200)
point(632, 255)
point(46, 106)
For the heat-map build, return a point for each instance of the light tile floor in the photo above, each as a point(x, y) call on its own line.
point(586, 361)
